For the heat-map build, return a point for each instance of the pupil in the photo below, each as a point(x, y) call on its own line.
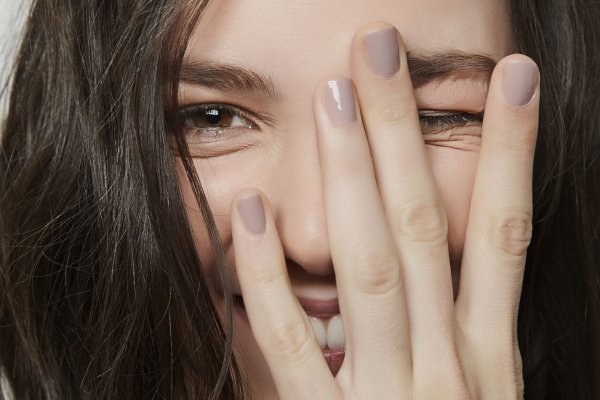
point(213, 116)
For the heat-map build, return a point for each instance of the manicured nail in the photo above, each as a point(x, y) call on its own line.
point(253, 214)
point(520, 81)
point(382, 51)
point(339, 101)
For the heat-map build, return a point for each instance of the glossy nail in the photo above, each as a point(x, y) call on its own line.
point(253, 214)
point(381, 48)
point(520, 81)
point(339, 101)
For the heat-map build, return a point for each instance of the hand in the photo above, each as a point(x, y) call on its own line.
point(406, 338)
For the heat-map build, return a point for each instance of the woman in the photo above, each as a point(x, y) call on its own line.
point(167, 166)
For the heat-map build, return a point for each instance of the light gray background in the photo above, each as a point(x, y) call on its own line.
point(12, 15)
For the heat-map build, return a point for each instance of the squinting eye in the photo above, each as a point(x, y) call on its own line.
point(213, 121)
point(440, 121)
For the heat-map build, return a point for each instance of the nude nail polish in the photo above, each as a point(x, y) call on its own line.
point(338, 97)
point(520, 82)
point(381, 50)
point(253, 214)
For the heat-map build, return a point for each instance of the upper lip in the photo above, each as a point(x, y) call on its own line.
point(314, 307)
point(320, 308)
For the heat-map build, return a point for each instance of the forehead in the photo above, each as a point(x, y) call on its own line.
point(311, 38)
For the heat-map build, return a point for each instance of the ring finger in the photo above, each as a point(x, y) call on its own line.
point(368, 274)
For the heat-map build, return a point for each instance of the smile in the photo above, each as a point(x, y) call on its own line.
point(327, 326)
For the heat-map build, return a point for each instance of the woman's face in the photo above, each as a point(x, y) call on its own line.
point(265, 59)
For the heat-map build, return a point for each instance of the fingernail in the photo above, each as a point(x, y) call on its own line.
point(520, 81)
point(382, 52)
point(253, 214)
point(339, 101)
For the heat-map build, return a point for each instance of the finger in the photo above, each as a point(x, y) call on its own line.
point(500, 226)
point(280, 326)
point(409, 194)
point(368, 275)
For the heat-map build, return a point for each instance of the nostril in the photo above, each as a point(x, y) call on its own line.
point(313, 263)
point(304, 238)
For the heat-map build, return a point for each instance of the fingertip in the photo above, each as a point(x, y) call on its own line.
point(250, 206)
point(377, 47)
point(339, 101)
point(516, 58)
point(520, 78)
point(512, 108)
point(245, 193)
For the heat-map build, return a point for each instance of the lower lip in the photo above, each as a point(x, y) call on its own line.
point(333, 357)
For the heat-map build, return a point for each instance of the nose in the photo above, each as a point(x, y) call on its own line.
point(300, 211)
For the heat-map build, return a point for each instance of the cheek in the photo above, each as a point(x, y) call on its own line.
point(219, 200)
point(220, 181)
point(454, 171)
point(220, 185)
point(192, 209)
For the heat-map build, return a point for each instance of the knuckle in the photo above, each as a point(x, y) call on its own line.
point(291, 338)
point(441, 372)
point(266, 273)
point(376, 272)
point(423, 221)
point(346, 163)
point(528, 140)
point(393, 111)
point(517, 138)
point(507, 371)
point(511, 233)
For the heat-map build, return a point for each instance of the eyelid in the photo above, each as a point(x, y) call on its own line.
point(437, 113)
point(248, 113)
point(450, 118)
point(435, 122)
point(194, 110)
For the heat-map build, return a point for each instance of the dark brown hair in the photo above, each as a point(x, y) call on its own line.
point(101, 291)
point(559, 316)
point(102, 294)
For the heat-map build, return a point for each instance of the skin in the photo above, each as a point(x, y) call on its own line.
point(385, 222)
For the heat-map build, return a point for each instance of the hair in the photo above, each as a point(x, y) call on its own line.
point(101, 290)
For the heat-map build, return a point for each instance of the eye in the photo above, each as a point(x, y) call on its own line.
point(206, 122)
point(441, 121)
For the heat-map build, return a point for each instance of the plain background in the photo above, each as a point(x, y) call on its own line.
point(12, 16)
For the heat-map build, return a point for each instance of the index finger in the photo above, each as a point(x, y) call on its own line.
point(280, 326)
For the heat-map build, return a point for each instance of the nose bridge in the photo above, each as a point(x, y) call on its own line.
point(300, 215)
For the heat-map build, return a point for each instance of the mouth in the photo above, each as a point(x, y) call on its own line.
point(326, 322)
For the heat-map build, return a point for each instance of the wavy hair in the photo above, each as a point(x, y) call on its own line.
point(101, 290)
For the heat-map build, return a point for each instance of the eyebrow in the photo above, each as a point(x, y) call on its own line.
point(228, 78)
point(424, 68)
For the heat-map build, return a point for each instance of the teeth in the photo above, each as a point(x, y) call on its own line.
point(329, 332)
point(319, 330)
point(335, 333)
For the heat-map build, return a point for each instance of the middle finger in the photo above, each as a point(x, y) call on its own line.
point(409, 193)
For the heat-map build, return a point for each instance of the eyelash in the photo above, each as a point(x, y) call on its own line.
point(440, 121)
point(431, 120)
point(188, 114)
